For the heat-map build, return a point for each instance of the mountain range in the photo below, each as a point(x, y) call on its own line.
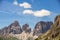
point(42, 30)
point(14, 28)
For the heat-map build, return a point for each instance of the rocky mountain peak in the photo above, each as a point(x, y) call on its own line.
point(15, 24)
point(13, 28)
point(41, 27)
point(26, 28)
point(57, 18)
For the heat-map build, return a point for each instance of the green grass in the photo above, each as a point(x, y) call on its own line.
point(8, 38)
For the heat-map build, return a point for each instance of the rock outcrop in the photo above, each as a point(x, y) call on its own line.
point(12, 28)
point(26, 28)
point(41, 27)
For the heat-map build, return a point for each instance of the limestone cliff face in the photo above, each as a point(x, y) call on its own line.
point(14, 28)
point(41, 27)
point(54, 32)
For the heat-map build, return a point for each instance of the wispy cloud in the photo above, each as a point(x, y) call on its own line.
point(39, 13)
point(25, 5)
point(4, 12)
point(15, 2)
point(27, 11)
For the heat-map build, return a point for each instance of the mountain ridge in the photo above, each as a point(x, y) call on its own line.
point(15, 28)
point(25, 32)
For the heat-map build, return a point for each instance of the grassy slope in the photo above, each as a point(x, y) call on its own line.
point(8, 38)
point(46, 36)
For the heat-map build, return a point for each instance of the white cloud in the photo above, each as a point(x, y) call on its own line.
point(27, 11)
point(15, 2)
point(42, 13)
point(39, 13)
point(25, 5)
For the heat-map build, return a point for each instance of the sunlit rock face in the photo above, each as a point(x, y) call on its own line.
point(55, 29)
point(24, 36)
point(41, 27)
point(12, 28)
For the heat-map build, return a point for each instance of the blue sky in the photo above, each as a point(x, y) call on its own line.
point(28, 11)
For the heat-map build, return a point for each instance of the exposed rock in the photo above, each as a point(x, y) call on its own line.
point(41, 27)
point(12, 28)
point(26, 28)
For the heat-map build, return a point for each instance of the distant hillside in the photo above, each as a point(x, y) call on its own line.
point(53, 33)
